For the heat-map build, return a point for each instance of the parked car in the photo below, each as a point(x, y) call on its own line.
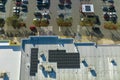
point(38, 14)
point(61, 6)
point(105, 9)
point(110, 1)
point(18, 0)
point(112, 8)
point(46, 15)
point(45, 2)
point(62, 1)
point(39, 2)
point(23, 5)
point(16, 11)
point(68, 2)
point(33, 28)
point(39, 6)
point(18, 3)
point(25, 1)
point(113, 18)
point(68, 6)
point(61, 16)
point(106, 17)
point(1, 5)
point(24, 8)
point(36, 19)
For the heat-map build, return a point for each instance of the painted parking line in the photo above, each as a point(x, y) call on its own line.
point(59, 29)
point(78, 28)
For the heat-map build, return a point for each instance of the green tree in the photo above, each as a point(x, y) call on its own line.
point(36, 23)
point(14, 21)
point(111, 26)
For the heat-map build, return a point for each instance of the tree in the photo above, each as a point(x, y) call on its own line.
point(15, 22)
point(111, 26)
point(64, 22)
point(44, 22)
point(87, 21)
point(36, 23)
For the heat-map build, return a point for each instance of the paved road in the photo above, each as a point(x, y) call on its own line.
point(53, 10)
point(30, 14)
point(8, 12)
point(75, 14)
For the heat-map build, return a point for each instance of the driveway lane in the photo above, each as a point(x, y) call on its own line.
point(75, 14)
point(53, 14)
point(8, 7)
point(30, 14)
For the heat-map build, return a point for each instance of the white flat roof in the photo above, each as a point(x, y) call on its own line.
point(4, 44)
point(10, 63)
point(87, 8)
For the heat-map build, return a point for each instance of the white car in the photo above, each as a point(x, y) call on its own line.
point(36, 19)
point(25, 1)
point(16, 9)
point(1, 5)
point(45, 1)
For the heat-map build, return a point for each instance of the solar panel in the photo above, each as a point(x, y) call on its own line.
point(34, 61)
point(87, 8)
point(63, 59)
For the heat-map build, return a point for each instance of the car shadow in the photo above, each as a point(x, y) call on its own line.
point(97, 32)
point(97, 20)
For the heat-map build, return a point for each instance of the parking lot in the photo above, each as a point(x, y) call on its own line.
point(54, 11)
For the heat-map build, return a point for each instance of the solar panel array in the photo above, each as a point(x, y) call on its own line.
point(63, 59)
point(87, 8)
point(34, 61)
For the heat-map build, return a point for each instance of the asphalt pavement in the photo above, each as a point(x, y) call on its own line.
point(30, 14)
point(8, 12)
point(53, 11)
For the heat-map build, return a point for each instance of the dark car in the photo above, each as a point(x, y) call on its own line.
point(112, 8)
point(40, 7)
point(47, 16)
point(61, 6)
point(24, 8)
point(113, 18)
point(18, 0)
point(68, 2)
point(110, 1)
point(38, 15)
point(25, 1)
point(62, 1)
point(68, 6)
point(104, 0)
point(39, 2)
point(18, 3)
point(106, 17)
point(61, 15)
point(105, 9)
